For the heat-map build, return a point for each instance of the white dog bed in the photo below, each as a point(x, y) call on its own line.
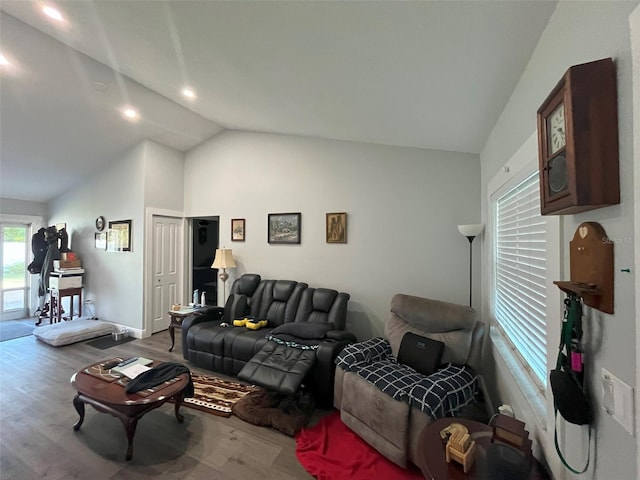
point(64, 333)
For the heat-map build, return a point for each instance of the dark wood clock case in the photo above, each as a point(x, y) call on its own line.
point(592, 180)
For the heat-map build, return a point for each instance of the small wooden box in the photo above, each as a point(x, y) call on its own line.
point(510, 431)
point(67, 264)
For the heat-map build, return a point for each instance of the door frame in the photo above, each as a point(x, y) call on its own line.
point(147, 307)
point(34, 223)
point(190, 249)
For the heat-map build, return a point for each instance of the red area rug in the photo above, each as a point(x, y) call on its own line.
point(331, 451)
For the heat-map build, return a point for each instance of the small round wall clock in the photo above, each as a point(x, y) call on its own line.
point(100, 223)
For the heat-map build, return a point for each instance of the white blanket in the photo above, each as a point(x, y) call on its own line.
point(72, 331)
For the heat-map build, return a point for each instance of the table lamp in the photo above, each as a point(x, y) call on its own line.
point(223, 260)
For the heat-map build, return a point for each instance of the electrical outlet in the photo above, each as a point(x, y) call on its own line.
point(617, 400)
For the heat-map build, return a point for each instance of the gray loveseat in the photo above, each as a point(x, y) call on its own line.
point(392, 426)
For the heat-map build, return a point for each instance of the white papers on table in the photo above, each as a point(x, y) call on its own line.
point(133, 370)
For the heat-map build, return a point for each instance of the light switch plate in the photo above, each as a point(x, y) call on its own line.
point(617, 400)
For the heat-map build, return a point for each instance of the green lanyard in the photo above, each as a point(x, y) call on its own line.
point(571, 328)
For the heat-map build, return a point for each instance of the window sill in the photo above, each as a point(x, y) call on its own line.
point(529, 390)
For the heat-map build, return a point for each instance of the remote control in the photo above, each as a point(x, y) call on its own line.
point(127, 362)
point(111, 364)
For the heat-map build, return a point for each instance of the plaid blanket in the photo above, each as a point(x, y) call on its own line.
point(356, 355)
point(443, 393)
point(393, 378)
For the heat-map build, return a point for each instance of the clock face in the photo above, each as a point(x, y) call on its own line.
point(557, 130)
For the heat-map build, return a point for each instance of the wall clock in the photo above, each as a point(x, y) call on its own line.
point(100, 223)
point(578, 141)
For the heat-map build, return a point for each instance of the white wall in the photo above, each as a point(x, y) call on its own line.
point(403, 209)
point(164, 177)
point(113, 280)
point(635, 49)
point(23, 207)
point(148, 178)
point(580, 32)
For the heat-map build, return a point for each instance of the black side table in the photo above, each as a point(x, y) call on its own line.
point(177, 316)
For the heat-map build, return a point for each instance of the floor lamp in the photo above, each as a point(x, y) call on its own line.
point(223, 260)
point(471, 231)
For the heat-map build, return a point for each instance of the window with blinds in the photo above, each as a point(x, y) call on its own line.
point(520, 277)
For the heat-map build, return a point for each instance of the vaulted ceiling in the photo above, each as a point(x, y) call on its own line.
point(430, 74)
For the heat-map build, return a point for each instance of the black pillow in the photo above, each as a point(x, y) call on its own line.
point(422, 354)
point(303, 329)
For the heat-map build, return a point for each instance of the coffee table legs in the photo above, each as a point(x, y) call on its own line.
point(79, 404)
point(130, 422)
point(178, 397)
point(130, 425)
point(172, 335)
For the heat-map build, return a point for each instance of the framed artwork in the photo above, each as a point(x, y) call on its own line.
point(336, 227)
point(101, 240)
point(119, 236)
point(284, 228)
point(237, 229)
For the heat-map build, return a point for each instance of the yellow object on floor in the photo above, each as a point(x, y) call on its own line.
point(256, 325)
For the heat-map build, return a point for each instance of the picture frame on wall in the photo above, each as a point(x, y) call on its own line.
point(237, 229)
point(336, 227)
point(101, 240)
point(119, 236)
point(284, 228)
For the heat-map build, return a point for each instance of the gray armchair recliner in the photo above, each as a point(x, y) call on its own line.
point(393, 426)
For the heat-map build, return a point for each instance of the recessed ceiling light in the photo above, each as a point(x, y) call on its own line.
point(188, 92)
point(3, 61)
point(130, 113)
point(52, 13)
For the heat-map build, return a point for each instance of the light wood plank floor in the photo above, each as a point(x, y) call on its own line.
point(37, 439)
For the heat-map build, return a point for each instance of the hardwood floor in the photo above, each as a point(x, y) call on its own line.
point(37, 439)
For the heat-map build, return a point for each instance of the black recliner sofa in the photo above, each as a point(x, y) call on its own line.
point(296, 313)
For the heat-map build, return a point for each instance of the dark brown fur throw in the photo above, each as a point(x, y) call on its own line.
point(286, 413)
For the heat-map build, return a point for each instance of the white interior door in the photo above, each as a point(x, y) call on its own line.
point(167, 244)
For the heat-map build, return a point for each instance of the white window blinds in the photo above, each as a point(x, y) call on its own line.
point(520, 291)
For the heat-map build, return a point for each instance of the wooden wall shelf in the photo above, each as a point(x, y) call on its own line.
point(591, 263)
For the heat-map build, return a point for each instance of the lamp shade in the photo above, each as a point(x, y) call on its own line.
point(471, 230)
point(224, 259)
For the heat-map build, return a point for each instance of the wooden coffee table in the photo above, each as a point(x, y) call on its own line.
point(106, 394)
point(431, 452)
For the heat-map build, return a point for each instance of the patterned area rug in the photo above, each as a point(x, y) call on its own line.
point(215, 395)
